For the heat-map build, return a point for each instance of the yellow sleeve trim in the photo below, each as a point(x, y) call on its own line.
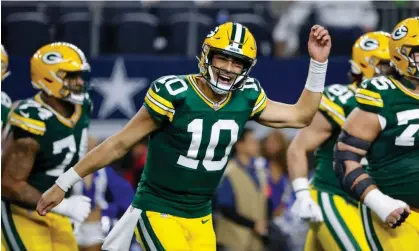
point(261, 103)
point(333, 110)
point(159, 99)
point(27, 124)
point(369, 101)
point(369, 93)
point(158, 109)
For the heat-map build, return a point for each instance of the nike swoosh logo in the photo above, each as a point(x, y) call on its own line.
point(155, 86)
point(26, 115)
point(204, 221)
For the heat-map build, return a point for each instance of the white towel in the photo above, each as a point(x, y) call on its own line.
point(120, 237)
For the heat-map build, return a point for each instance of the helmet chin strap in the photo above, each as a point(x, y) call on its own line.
point(76, 99)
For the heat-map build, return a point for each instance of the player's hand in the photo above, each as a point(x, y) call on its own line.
point(77, 207)
point(51, 198)
point(391, 211)
point(399, 215)
point(319, 43)
point(305, 207)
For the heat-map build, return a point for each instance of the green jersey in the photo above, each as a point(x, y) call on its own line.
point(63, 141)
point(188, 154)
point(337, 103)
point(393, 158)
point(6, 104)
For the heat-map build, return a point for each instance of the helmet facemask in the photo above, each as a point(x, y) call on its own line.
point(216, 76)
point(69, 91)
point(411, 53)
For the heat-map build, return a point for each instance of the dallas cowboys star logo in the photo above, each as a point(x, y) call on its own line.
point(118, 91)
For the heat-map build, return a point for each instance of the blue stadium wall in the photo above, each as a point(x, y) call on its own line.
point(120, 83)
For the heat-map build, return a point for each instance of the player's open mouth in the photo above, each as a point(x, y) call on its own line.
point(224, 79)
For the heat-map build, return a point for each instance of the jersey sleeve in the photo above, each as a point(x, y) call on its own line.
point(369, 96)
point(161, 96)
point(257, 96)
point(30, 117)
point(331, 108)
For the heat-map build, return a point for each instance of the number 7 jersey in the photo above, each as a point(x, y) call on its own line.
point(187, 155)
point(62, 141)
point(393, 158)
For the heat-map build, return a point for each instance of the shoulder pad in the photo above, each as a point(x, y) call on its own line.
point(371, 92)
point(30, 116)
point(163, 94)
point(254, 91)
point(5, 100)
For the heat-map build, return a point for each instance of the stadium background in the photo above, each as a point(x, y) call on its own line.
point(129, 44)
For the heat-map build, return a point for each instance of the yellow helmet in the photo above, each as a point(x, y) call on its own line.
point(233, 40)
point(368, 52)
point(4, 63)
point(404, 41)
point(52, 63)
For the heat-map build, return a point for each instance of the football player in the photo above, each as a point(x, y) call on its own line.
point(6, 102)
point(193, 122)
point(385, 128)
point(326, 202)
point(48, 134)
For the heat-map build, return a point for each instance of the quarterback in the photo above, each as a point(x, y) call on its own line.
point(193, 122)
point(48, 135)
point(326, 202)
point(385, 128)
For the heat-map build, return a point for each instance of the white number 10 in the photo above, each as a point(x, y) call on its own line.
point(196, 128)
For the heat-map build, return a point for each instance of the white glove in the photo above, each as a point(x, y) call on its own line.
point(383, 205)
point(304, 206)
point(77, 208)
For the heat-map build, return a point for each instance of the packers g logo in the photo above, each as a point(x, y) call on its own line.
point(52, 58)
point(212, 33)
point(369, 44)
point(399, 33)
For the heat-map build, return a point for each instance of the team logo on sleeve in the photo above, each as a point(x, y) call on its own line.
point(399, 33)
point(52, 58)
point(369, 44)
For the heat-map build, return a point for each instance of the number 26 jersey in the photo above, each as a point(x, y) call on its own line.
point(187, 155)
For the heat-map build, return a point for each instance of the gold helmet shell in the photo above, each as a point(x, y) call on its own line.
point(404, 41)
point(368, 51)
point(52, 63)
point(4, 63)
point(233, 40)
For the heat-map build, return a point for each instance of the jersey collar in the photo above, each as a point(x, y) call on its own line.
point(69, 122)
point(214, 105)
point(402, 86)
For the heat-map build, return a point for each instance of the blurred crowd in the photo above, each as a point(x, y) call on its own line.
point(179, 27)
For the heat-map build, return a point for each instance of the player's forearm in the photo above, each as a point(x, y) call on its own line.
point(21, 194)
point(307, 106)
point(297, 162)
point(107, 152)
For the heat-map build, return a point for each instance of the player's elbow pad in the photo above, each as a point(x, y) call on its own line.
point(347, 181)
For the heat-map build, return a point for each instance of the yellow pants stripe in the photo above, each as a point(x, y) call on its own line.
point(148, 237)
point(9, 231)
point(336, 224)
point(372, 238)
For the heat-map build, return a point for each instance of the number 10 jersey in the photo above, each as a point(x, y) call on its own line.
point(187, 155)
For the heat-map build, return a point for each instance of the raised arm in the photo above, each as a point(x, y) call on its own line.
point(301, 114)
point(359, 131)
point(110, 150)
point(306, 140)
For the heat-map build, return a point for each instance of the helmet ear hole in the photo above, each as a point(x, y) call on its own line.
point(363, 65)
point(397, 58)
point(48, 80)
